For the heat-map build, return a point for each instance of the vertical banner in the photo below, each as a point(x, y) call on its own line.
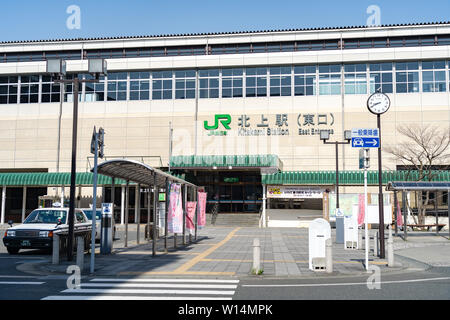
point(399, 215)
point(190, 225)
point(361, 210)
point(202, 209)
point(175, 214)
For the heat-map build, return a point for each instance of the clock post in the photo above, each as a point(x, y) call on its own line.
point(378, 103)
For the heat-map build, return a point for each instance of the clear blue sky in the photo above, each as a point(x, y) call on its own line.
point(46, 19)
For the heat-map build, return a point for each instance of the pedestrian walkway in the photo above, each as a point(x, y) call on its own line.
point(220, 252)
point(150, 289)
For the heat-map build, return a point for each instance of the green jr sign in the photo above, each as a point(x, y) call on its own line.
point(224, 119)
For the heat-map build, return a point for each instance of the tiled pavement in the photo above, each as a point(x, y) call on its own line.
point(224, 251)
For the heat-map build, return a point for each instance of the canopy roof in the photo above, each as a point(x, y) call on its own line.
point(417, 186)
point(132, 170)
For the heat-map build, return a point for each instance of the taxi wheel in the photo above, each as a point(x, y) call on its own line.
point(12, 250)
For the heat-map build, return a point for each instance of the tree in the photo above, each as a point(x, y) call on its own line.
point(424, 149)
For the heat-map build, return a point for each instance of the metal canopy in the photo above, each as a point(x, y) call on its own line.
point(132, 170)
point(417, 186)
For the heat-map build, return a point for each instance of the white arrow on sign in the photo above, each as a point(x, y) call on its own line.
point(373, 142)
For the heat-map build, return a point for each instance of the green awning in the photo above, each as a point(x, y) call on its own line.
point(345, 177)
point(224, 161)
point(51, 179)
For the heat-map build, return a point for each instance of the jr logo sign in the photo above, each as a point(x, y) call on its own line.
point(225, 119)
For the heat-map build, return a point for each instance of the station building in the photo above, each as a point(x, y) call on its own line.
point(236, 112)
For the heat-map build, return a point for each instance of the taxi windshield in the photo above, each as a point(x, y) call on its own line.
point(88, 214)
point(46, 216)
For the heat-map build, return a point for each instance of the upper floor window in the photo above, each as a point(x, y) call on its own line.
point(355, 79)
point(232, 83)
point(380, 77)
point(162, 85)
point(305, 80)
point(209, 83)
point(29, 89)
point(117, 86)
point(94, 91)
point(330, 79)
point(433, 76)
point(68, 88)
point(407, 77)
point(185, 84)
point(280, 81)
point(256, 82)
point(8, 89)
point(139, 85)
point(51, 91)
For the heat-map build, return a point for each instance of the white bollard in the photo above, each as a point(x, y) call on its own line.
point(329, 255)
point(80, 252)
point(375, 244)
point(256, 256)
point(55, 249)
point(390, 249)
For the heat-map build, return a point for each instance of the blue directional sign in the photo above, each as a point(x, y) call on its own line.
point(365, 138)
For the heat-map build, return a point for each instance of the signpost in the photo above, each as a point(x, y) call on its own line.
point(97, 150)
point(365, 138)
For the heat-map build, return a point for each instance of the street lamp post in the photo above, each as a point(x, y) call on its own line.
point(325, 136)
point(58, 67)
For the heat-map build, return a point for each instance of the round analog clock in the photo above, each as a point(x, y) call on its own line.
point(378, 103)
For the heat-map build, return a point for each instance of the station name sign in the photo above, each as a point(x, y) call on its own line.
point(305, 124)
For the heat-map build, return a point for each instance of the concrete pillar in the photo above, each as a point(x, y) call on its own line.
point(2, 220)
point(390, 249)
point(62, 197)
point(24, 202)
point(55, 250)
point(122, 206)
point(329, 255)
point(80, 252)
point(113, 196)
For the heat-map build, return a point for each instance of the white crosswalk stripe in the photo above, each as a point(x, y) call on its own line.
point(150, 289)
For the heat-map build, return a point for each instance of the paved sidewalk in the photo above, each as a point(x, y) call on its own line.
point(220, 251)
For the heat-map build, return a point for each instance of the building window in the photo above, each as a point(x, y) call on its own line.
point(68, 88)
point(355, 80)
point(380, 77)
point(329, 79)
point(139, 85)
point(117, 86)
point(209, 83)
point(280, 81)
point(162, 85)
point(232, 83)
point(50, 90)
point(433, 76)
point(8, 89)
point(256, 82)
point(305, 80)
point(29, 89)
point(94, 91)
point(185, 84)
point(407, 77)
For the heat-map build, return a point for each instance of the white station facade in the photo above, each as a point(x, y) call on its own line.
point(245, 108)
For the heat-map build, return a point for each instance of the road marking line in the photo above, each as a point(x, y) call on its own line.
point(343, 284)
point(151, 291)
point(132, 298)
point(159, 285)
point(165, 280)
point(203, 273)
point(185, 267)
point(23, 282)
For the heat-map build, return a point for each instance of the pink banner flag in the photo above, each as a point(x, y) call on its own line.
point(361, 210)
point(175, 213)
point(201, 209)
point(399, 215)
point(190, 225)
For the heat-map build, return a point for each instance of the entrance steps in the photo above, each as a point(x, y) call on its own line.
point(234, 219)
point(291, 218)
